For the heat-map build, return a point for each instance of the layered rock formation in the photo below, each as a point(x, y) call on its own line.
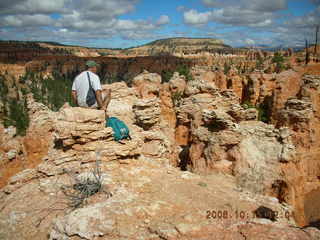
point(289, 101)
point(112, 69)
point(11, 153)
point(301, 114)
point(154, 113)
point(180, 47)
point(221, 136)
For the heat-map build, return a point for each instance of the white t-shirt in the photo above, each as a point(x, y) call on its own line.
point(81, 86)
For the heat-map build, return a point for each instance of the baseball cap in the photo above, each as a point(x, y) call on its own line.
point(91, 63)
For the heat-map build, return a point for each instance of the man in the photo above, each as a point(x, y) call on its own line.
point(81, 85)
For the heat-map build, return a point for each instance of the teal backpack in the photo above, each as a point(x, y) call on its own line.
point(120, 129)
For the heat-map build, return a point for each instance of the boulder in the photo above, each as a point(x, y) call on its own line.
point(177, 83)
point(122, 100)
point(147, 112)
point(147, 84)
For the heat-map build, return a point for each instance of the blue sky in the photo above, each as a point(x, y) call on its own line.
point(127, 23)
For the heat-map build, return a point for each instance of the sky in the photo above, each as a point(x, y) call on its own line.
point(129, 23)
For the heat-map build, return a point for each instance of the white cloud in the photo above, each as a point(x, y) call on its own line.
point(101, 15)
point(265, 23)
point(26, 20)
point(213, 3)
point(133, 25)
point(126, 25)
point(240, 17)
point(137, 35)
point(255, 5)
point(310, 20)
point(102, 9)
point(163, 19)
point(74, 13)
point(32, 6)
point(247, 13)
point(230, 15)
point(78, 20)
point(266, 6)
point(85, 20)
point(193, 17)
point(182, 8)
point(249, 41)
point(261, 21)
point(316, 2)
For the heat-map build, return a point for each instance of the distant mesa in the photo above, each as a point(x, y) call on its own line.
point(169, 46)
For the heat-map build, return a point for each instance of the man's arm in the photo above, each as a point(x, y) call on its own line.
point(74, 97)
point(107, 98)
point(99, 99)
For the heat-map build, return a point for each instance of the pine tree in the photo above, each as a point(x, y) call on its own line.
point(315, 46)
point(18, 116)
point(307, 53)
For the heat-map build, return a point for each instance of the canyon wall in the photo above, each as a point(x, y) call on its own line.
point(235, 165)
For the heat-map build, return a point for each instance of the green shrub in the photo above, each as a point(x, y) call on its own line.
point(184, 70)
point(278, 59)
point(166, 75)
point(17, 116)
point(280, 67)
point(176, 98)
point(288, 66)
point(247, 105)
point(265, 109)
point(226, 68)
point(14, 112)
point(259, 64)
point(3, 88)
point(181, 69)
point(53, 92)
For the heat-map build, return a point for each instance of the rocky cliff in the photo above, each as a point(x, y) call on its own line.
point(111, 70)
point(179, 47)
point(18, 51)
point(301, 114)
point(199, 165)
point(21, 50)
point(289, 101)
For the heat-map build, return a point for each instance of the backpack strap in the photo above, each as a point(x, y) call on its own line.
point(91, 98)
point(89, 80)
